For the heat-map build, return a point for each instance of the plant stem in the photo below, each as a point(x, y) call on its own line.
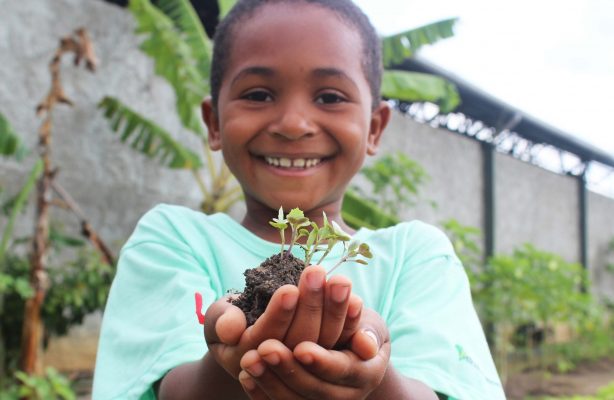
point(343, 259)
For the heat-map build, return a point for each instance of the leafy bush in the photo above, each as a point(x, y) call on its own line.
point(52, 385)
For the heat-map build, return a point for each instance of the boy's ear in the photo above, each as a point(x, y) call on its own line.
point(213, 127)
point(379, 120)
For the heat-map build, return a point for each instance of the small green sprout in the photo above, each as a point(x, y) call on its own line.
point(280, 223)
point(297, 220)
point(322, 238)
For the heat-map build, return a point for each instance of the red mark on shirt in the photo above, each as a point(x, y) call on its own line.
point(199, 308)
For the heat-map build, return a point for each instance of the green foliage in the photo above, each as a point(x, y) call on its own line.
point(191, 30)
point(171, 44)
point(319, 238)
point(50, 386)
point(76, 289)
point(413, 86)
point(416, 86)
point(398, 47)
point(464, 240)
point(394, 182)
point(147, 137)
point(10, 143)
point(533, 290)
point(604, 393)
point(358, 212)
point(17, 205)
point(533, 286)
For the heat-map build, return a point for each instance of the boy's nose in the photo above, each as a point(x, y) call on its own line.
point(293, 123)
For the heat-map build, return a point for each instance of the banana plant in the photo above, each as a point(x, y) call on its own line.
point(414, 86)
point(175, 39)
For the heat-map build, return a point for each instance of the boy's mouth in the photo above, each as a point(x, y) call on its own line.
point(285, 162)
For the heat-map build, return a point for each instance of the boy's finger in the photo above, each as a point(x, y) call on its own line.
point(283, 368)
point(308, 316)
point(336, 301)
point(371, 337)
point(278, 316)
point(342, 367)
point(224, 323)
point(352, 320)
point(250, 387)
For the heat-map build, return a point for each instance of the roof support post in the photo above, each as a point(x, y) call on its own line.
point(583, 218)
point(488, 164)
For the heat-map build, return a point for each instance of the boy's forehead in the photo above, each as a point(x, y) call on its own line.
point(303, 28)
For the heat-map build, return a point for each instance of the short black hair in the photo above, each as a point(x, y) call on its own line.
point(345, 9)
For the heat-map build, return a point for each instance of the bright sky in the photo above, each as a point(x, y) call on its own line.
point(553, 59)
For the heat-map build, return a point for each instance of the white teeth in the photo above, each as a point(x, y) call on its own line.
point(285, 162)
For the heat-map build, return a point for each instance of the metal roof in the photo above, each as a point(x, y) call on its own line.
point(479, 105)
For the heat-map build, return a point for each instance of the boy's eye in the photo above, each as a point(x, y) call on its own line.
point(258, 95)
point(329, 98)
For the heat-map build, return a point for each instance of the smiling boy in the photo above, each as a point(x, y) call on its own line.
point(295, 109)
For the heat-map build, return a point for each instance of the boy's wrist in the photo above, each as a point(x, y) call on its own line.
point(202, 379)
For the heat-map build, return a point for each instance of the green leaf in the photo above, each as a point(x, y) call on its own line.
point(60, 240)
point(297, 218)
point(416, 86)
point(358, 213)
point(174, 59)
point(398, 47)
point(10, 143)
point(186, 21)
point(225, 6)
point(147, 137)
point(365, 251)
point(19, 204)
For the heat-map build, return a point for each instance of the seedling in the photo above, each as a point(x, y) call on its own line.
point(322, 238)
point(283, 268)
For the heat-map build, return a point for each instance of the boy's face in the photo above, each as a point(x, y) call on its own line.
point(294, 117)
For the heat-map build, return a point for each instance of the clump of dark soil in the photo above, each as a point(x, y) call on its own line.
point(261, 282)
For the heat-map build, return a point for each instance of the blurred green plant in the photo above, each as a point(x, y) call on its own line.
point(10, 141)
point(76, 288)
point(604, 393)
point(528, 292)
point(51, 386)
point(394, 180)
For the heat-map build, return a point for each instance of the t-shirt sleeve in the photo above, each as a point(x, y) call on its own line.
point(436, 335)
point(149, 324)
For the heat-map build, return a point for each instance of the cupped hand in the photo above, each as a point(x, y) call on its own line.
point(273, 371)
point(228, 337)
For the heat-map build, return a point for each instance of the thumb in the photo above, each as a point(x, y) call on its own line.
point(224, 323)
point(373, 333)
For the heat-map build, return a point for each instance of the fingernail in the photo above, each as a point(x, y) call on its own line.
point(315, 280)
point(248, 383)
point(288, 301)
point(306, 359)
point(340, 293)
point(354, 312)
point(373, 336)
point(272, 358)
point(256, 369)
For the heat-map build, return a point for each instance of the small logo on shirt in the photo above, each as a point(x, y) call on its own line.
point(464, 356)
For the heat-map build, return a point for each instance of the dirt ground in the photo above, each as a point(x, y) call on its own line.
point(584, 380)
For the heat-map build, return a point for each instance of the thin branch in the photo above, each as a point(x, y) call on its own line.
point(86, 227)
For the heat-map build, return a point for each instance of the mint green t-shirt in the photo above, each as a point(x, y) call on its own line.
point(415, 282)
